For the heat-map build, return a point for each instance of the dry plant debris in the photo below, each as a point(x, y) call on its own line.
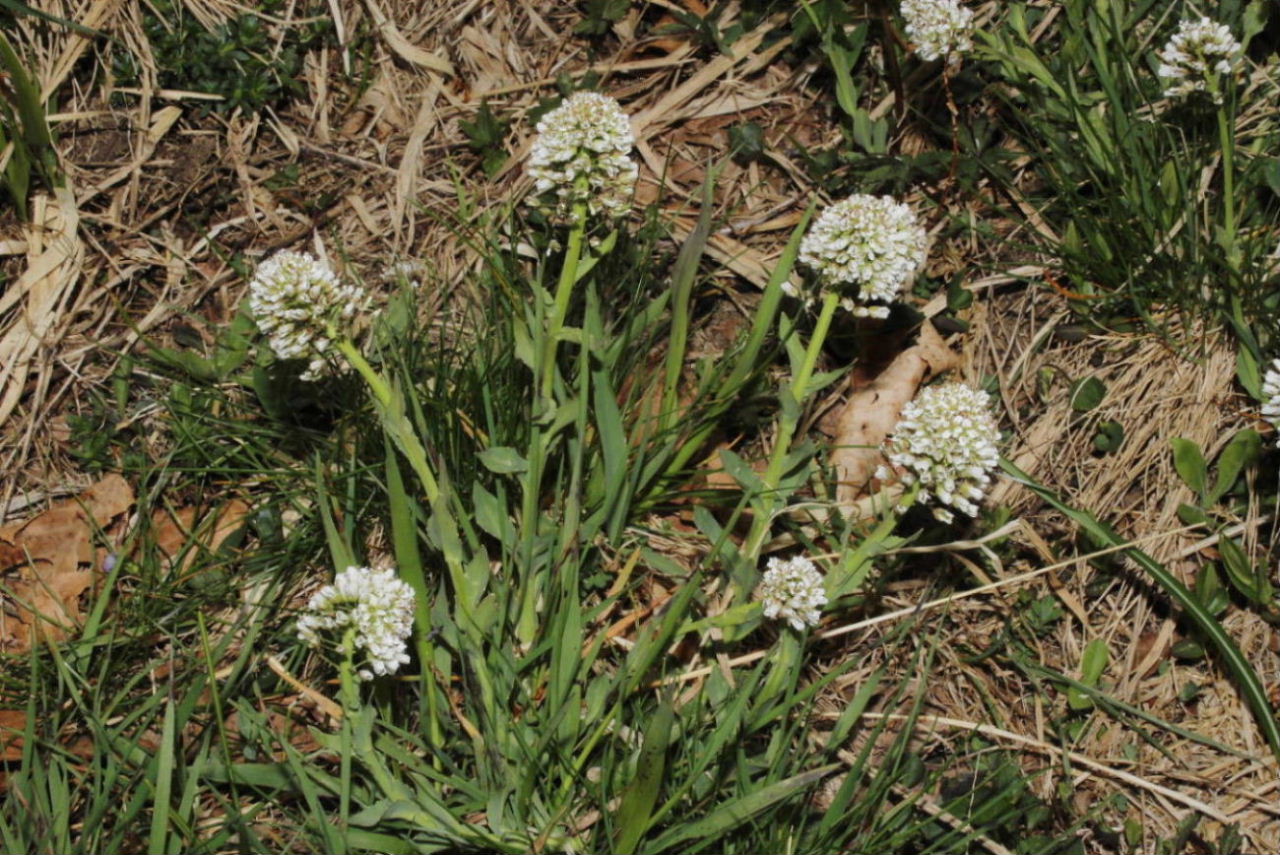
point(53, 559)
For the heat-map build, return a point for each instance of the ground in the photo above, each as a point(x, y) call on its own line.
point(408, 130)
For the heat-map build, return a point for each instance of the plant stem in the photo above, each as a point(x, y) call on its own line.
point(349, 695)
point(789, 422)
point(393, 417)
point(564, 291)
point(1226, 140)
point(543, 407)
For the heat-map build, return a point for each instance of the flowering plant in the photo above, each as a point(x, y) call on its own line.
point(1195, 56)
point(373, 609)
point(865, 248)
point(581, 157)
point(939, 29)
point(945, 442)
point(792, 590)
point(301, 304)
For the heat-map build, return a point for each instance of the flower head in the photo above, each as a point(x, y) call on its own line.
point(946, 443)
point(375, 605)
point(1192, 60)
point(582, 155)
point(866, 248)
point(297, 300)
point(939, 29)
point(1271, 396)
point(792, 590)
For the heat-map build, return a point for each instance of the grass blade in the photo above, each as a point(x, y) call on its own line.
point(1247, 679)
point(158, 842)
point(729, 816)
point(641, 795)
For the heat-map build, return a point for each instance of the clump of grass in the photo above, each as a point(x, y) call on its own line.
point(1148, 204)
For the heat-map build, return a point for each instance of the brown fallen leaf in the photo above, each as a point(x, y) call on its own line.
point(177, 533)
point(12, 724)
point(871, 412)
point(50, 562)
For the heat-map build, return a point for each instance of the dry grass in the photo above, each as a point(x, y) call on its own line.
point(161, 195)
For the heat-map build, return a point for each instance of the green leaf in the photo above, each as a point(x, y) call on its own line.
point(1190, 464)
point(157, 843)
point(1254, 20)
point(1243, 449)
point(746, 141)
point(746, 809)
point(1210, 592)
point(642, 793)
point(1191, 515)
point(491, 516)
point(1248, 373)
point(1086, 394)
point(503, 460)
point(1092, 663)
point(1271, 173)
point(958, 296)
point(1109, 437)
point(739, 470)
point(1188, 650)
point(1246, 578)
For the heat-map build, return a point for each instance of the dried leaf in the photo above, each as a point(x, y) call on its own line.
point(177, 534)
point(47, 556)
point(869, 416)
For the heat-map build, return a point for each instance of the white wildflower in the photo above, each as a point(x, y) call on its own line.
point(1271, 396)
point(297, 301)
point(582, 155)
point(939, 29)
point(376, 605)
point(792, 590)
point(946, 442)
point(1192, 60)
point(866, 248)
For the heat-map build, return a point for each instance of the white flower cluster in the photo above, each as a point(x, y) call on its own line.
point(1271, 397)
point(793, 591)
point(376, 604)
point(296, 299)
point(939, 29)
point(946, 442)
point(867, 248)
point(1197, 53)
point(582, 154)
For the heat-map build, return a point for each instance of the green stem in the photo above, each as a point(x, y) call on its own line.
point(1226, 139)
point(377, 385)
point(545, 371)
point(349, 695)
point(789, 422)
point(564, 291)
point(394, 419)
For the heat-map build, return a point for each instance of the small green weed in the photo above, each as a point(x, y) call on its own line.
point(242, 60)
